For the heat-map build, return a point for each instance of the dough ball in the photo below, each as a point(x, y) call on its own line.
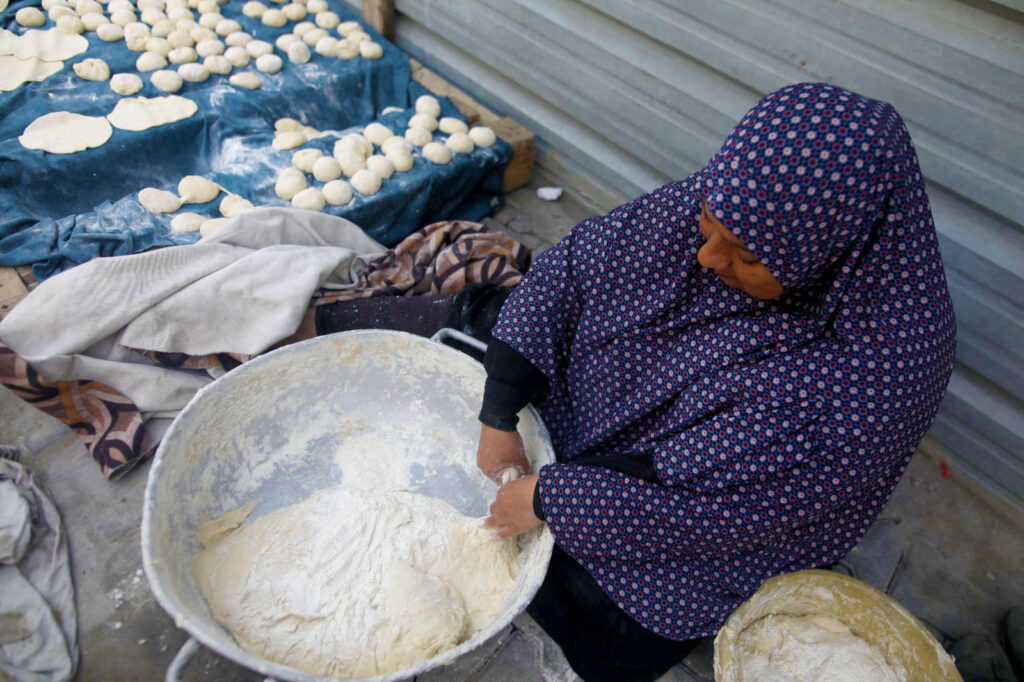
point(401, 159)
point(425, 121)
point(354, 141)
point(206, 48)
point(356, 37)
point(269, 63)
point(108, 33)
point(195, 189)
point(233, 205)
point(395, 142)
point(284, 125)
point(428, 104)
point(210, 20)
point(92, 69)
point(346, 27)
point(136, 42)
point(482, 136)
point(325, 46)
point(305, 158)
point(254, 9)
point(274, 18)
point(459, 142)
point(418, 136)
point(371, 50)
point(125, 83)
point(176, 14)
point(302, 28)
point(58, 11)
point(168, 81)
point(247, 80)
point(226, 27)
point(187, 222)
point(179, 38)
point(377, 133)
point(237, 39)
point(193, 73)
point(237, 55)
point(151, 16)
point(159, 201)
point(258, 48)
point(122, 17)
point(366, 182)
point(437, 153)
point(158, 45)
point(208, 227)
point(316, 6)
point(199, 34)
point(352, 160)
point(290, 182)
point(115, 5)
point(451, 125)
point(310, 199)
point(327, 20)
point(337, 192)
point(70, 24)
point(93, 21)
point(293, 11)
point(88, 7)
point(346, 50)
point(218, 64)
point(311, 38)
point(208, 7)
point(381, 166)
point(326, 168)
point(182, 55)
point(163, 28)
point(289, 139)
point(286, 40)
point(298, 51)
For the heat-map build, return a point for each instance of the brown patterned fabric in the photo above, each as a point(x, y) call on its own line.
point(440, 258)
point(106, 421)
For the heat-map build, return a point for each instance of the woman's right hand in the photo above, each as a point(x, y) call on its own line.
point(499, 450)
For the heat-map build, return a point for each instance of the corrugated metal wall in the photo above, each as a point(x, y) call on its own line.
point(639, 92)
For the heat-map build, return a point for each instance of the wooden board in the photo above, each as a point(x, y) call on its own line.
point(522, 141)
point(380, 14)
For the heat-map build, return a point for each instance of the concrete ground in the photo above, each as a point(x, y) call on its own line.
point(944, 548)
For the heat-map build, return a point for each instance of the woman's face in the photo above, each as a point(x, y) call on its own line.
point(732, 260)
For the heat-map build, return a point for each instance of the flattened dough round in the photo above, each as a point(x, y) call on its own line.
point(140, 113)
point(62, 132)
point(14, 72)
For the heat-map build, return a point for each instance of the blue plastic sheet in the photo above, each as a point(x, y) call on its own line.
point(59, 210)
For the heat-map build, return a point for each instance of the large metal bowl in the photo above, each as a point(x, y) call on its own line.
point(268, 432)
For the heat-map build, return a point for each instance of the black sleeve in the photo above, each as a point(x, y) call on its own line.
point(512, 382)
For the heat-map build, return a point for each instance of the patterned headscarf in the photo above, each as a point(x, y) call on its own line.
point(778, 429)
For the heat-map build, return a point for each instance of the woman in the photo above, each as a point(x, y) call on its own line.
point(735, 370)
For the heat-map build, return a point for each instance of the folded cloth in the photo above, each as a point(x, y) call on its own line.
point(38, 621)
point(116, 343)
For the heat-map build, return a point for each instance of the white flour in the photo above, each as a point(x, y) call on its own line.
point(808, 649)
point(353, 583)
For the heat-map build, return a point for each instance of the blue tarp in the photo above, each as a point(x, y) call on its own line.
point(58, 210)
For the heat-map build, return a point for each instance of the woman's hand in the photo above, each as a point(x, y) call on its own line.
point(512, 509)
point(499, 450)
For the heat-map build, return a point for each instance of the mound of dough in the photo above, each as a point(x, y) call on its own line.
point(401, 159)
point(159, 201)
point(782, 648)
point(482, 136)
point(349, 584)
point(418, 136)
point(449, 125)
point(436, 152)
point(168, 81)
point(305, 158)
point(187, 222)
point(428, 104)
point(233, 205)
point(269, 63)
point(289, 139)
point(338, 192)
point(62, 132)
point(326, 168)
point(246, 79)
point(381, 165)
point(459, 142)
point(140, 113)
point(425, 121)
point(30, 16)
point(366, 182)
point(371, 50)
point(290, 182)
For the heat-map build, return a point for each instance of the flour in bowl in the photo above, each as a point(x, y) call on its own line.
point(354, 583)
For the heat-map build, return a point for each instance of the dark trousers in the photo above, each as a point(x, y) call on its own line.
point(599, 640)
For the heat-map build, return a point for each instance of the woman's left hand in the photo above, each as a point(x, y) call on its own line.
point(512, 509)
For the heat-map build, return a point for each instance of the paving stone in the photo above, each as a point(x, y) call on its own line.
point(878, 556)
point(468, 666)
